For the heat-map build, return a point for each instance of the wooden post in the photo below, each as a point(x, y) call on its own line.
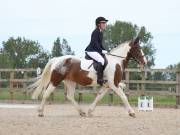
point(0, 79)
point(178, 89)
point(80, 94)
point(80, 97)
point(110, 99)
point(25, 77)
point(24, 86)
point(11, 78)
point(138, 88)
point(65, 93)
point(143, 85)
point(127, 80)
point(11, 85)
point(127, 84)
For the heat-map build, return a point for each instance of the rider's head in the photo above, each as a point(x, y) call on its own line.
point(101, 22)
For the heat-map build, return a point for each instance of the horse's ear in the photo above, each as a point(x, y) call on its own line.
point(136, 41)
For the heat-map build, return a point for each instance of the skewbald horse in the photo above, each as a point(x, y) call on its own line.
point(68, 69)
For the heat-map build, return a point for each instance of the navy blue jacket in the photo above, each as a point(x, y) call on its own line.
point(96, 42)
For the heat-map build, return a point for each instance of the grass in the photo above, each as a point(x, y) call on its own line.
point(87, 98)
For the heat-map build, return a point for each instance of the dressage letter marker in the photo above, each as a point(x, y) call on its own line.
point(145, 103)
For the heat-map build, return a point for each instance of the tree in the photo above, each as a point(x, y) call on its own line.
point(20, 51)
point(39, 60)
point(66, 48)
point(124, 31)
point(60, 49)
point(57, 49)
point(173, 75)
point(5, 61)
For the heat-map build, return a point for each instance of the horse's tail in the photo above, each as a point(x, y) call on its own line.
point(36, 81)
point(42, 81)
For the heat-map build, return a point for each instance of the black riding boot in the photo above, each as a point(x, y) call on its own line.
point(100, 69)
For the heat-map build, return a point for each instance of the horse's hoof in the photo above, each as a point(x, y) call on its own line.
point(132, 115)
point(83, 114)
point(90, 113)
point(41, 115)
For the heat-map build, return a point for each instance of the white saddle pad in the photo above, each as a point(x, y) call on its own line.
point(87, 65)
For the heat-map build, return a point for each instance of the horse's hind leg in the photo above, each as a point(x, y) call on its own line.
point(46, 94)
point(70, 85)
point(100, 95)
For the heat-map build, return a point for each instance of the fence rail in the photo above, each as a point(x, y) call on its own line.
point(20, 83)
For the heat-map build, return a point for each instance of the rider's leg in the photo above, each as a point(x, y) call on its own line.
point(99, 69)
point(96, 56)
point(100, 66)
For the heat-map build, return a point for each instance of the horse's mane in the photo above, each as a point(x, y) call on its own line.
point(119, 46)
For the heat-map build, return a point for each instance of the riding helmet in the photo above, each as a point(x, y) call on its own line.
point(100, 20)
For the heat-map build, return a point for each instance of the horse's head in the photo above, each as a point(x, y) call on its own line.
point(136, 52)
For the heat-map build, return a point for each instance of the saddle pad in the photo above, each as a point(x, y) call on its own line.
point(87, 65)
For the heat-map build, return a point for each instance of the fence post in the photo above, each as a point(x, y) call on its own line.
point(52, 97)
point(80, 94)
point(11, 84)
point(65, 93)
point(143, 85)
point(110, 99)
point(0, 79)
point(127, 83)
point(25, 77)
point(25, 85)
point(178, 89)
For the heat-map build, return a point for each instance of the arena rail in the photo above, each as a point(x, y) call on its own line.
point(14, 84)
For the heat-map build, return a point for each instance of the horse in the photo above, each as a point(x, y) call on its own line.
point(69, 69)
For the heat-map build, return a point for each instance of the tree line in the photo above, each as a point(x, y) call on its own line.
point(21, 52)
point(25, 53)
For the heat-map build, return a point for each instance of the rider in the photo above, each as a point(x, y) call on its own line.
point(96, 50)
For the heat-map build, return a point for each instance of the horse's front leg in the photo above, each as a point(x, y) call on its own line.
point(120, 93)
point(99, 96)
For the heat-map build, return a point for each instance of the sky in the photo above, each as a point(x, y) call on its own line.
point(45, 20)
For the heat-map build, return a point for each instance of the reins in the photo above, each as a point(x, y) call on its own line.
point(124, 57)
point(119, 56)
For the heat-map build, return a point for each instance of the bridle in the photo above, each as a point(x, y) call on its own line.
point(138, 61)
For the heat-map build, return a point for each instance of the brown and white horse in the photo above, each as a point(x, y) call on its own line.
point(68, 69)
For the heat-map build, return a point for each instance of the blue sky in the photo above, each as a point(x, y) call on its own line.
point(45, 20)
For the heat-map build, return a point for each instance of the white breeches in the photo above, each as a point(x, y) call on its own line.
point(96, 56)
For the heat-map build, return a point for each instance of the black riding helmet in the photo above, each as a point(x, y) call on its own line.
point(100, 19)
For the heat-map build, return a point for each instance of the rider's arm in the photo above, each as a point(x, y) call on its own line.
point(95, 39)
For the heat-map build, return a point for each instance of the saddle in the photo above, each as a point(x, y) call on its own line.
point(94, 62)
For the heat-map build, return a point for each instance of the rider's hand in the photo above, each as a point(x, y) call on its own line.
point(104, 51)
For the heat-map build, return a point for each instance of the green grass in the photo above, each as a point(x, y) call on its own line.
point(87, 98)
